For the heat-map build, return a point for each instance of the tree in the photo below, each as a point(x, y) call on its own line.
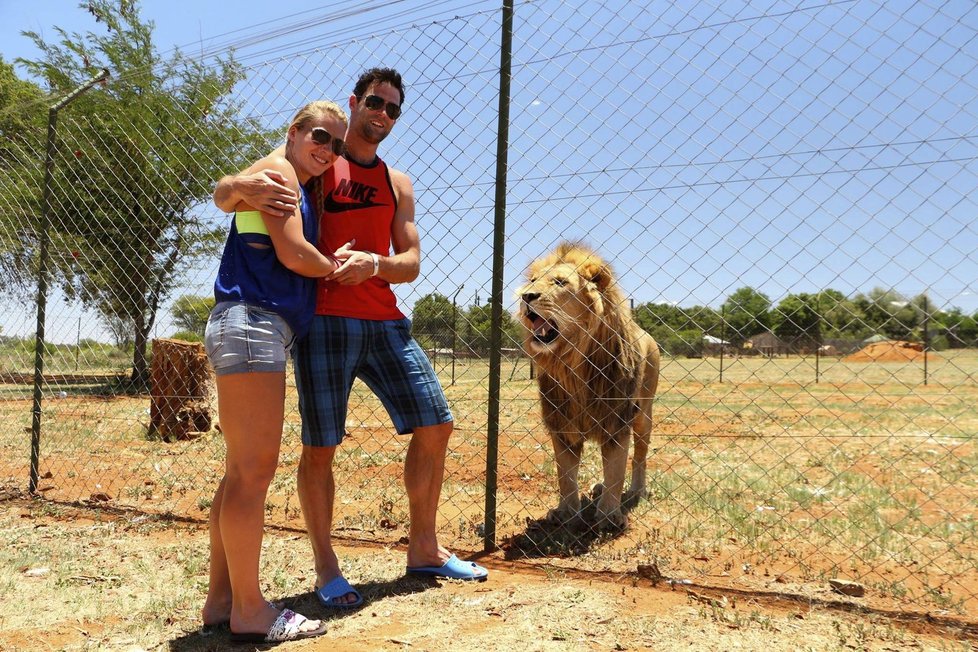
point(664, 320)
point(22, 116)
point(746, 313)
point(433, 321)
point(961, 330)
point(147, 148)
point(190, 313)
point(797, 319)
point(678, 331)
point(889, 313)
point(476, 330)
point(841, 317)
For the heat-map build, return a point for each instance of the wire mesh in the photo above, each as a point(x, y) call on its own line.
point(784, 194)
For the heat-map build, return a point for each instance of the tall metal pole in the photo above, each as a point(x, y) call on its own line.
point(723, 335)
point(499, 241)
point(926, 337)
point(455, 328)
point(42, 273)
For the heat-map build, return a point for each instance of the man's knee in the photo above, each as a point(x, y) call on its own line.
point(434, 435)
point(317, 459)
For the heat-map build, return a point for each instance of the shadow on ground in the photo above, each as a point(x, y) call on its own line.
point(218, 638)
point(547, 537)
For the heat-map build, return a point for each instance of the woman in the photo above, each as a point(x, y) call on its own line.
point(265, 293)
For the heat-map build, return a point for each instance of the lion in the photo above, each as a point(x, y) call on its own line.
point(597, 375)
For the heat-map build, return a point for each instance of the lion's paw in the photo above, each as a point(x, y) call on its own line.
point(612, 521)
point(562, 515)
point(631, 498)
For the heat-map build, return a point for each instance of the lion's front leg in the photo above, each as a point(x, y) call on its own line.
point(614, 459)
point(568, 458)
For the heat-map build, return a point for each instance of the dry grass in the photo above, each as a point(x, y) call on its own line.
point(122, 583)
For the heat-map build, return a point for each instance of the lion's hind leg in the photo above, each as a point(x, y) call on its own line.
point(638, 489)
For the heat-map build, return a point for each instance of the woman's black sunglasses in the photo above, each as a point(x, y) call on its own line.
point(374, 102)
point(322, 137)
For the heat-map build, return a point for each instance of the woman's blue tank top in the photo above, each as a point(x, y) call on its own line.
point(255, 276)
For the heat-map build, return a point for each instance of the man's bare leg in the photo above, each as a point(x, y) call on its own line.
point(317, 491)
point(424, 471)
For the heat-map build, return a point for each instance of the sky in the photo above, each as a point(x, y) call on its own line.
point(699, 147)
point(188, 24)
point(178, 22)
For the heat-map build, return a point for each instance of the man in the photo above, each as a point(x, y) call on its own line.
point(359, 332)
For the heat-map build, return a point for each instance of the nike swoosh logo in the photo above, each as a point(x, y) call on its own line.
point(330, 205)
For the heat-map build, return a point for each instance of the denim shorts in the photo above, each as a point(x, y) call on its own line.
point(380, 353)
point(242, 338)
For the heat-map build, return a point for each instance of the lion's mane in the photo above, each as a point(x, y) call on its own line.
point(589, 378)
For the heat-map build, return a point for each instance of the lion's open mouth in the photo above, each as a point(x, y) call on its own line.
point(544, 330)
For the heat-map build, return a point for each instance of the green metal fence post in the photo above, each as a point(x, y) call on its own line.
point(498, 250)
point(42, 275)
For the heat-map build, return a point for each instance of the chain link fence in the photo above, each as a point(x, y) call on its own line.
point(786, 196)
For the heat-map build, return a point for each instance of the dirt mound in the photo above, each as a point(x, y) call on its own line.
point(891, 351)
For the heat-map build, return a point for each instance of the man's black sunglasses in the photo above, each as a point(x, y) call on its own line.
point(322, 137)
point(374, 102)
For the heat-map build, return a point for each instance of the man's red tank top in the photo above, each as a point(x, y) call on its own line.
point(358, 202)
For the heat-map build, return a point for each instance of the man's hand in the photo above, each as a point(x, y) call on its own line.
point(266, 191)
point(340, 256)
point(356, 267)
point(345, 251)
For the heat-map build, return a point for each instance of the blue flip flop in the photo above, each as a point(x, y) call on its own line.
point(454, 568)
point(336, 589)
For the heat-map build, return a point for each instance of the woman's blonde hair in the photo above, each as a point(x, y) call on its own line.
point(316, 109)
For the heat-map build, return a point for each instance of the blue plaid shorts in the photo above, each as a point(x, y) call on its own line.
point(380, 353)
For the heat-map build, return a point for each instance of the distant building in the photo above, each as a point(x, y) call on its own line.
point(767, 344)
point(714, 345)
point(873, 339)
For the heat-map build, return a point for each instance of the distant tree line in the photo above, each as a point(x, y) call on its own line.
point(803, 321)
point(438, 324)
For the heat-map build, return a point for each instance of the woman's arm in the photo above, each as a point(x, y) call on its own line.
point(291, 247)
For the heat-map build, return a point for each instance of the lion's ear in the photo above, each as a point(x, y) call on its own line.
point(598, 273)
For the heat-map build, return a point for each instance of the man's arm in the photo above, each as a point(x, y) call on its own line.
point(405, 265)
point(266, 189)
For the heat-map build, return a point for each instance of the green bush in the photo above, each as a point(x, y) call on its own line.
point(187, 336)
point(939, 343)
point(687, 342)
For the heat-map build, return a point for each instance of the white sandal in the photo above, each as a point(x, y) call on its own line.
point(289, 626)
